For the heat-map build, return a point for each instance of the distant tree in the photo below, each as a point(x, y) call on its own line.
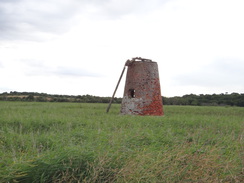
point(30, 97)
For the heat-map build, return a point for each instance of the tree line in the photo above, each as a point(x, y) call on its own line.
point(44, 97)
point(233, 99)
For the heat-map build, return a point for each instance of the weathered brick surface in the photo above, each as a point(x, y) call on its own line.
point(142, 95)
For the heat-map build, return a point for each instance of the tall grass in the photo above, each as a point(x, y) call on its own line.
point(70, 142)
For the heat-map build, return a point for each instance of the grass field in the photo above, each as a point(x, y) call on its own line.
point(74, 142)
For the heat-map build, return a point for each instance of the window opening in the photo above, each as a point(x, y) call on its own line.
point(132, 93)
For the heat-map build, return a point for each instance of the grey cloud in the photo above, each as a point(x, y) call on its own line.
point(38, 68)
point(221, 73)
point(32, 67)
point(25, 19)
point(230, 66)
point(22, 19)
point(74, 72)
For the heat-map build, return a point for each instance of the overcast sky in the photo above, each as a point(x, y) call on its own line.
point(79, 47)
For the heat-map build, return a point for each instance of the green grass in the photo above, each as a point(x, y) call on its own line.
point(73, 142)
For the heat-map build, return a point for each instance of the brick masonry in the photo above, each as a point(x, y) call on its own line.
point(142, 94)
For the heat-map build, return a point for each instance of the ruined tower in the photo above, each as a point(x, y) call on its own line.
point(142, 95)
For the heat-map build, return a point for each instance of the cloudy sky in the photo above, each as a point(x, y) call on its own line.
point(79, 47)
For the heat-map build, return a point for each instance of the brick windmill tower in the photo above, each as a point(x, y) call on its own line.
point(142, 94)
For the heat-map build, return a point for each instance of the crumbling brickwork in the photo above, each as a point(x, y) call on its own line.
point(142, 94)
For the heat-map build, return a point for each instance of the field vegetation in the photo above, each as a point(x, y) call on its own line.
point(79, 142)
point(233, 99)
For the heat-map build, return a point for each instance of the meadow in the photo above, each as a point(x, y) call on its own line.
point(79, 142)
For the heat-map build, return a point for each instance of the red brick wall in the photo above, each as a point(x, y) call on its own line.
point(143, 78)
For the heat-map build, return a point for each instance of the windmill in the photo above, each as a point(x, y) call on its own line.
point(142, 93)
